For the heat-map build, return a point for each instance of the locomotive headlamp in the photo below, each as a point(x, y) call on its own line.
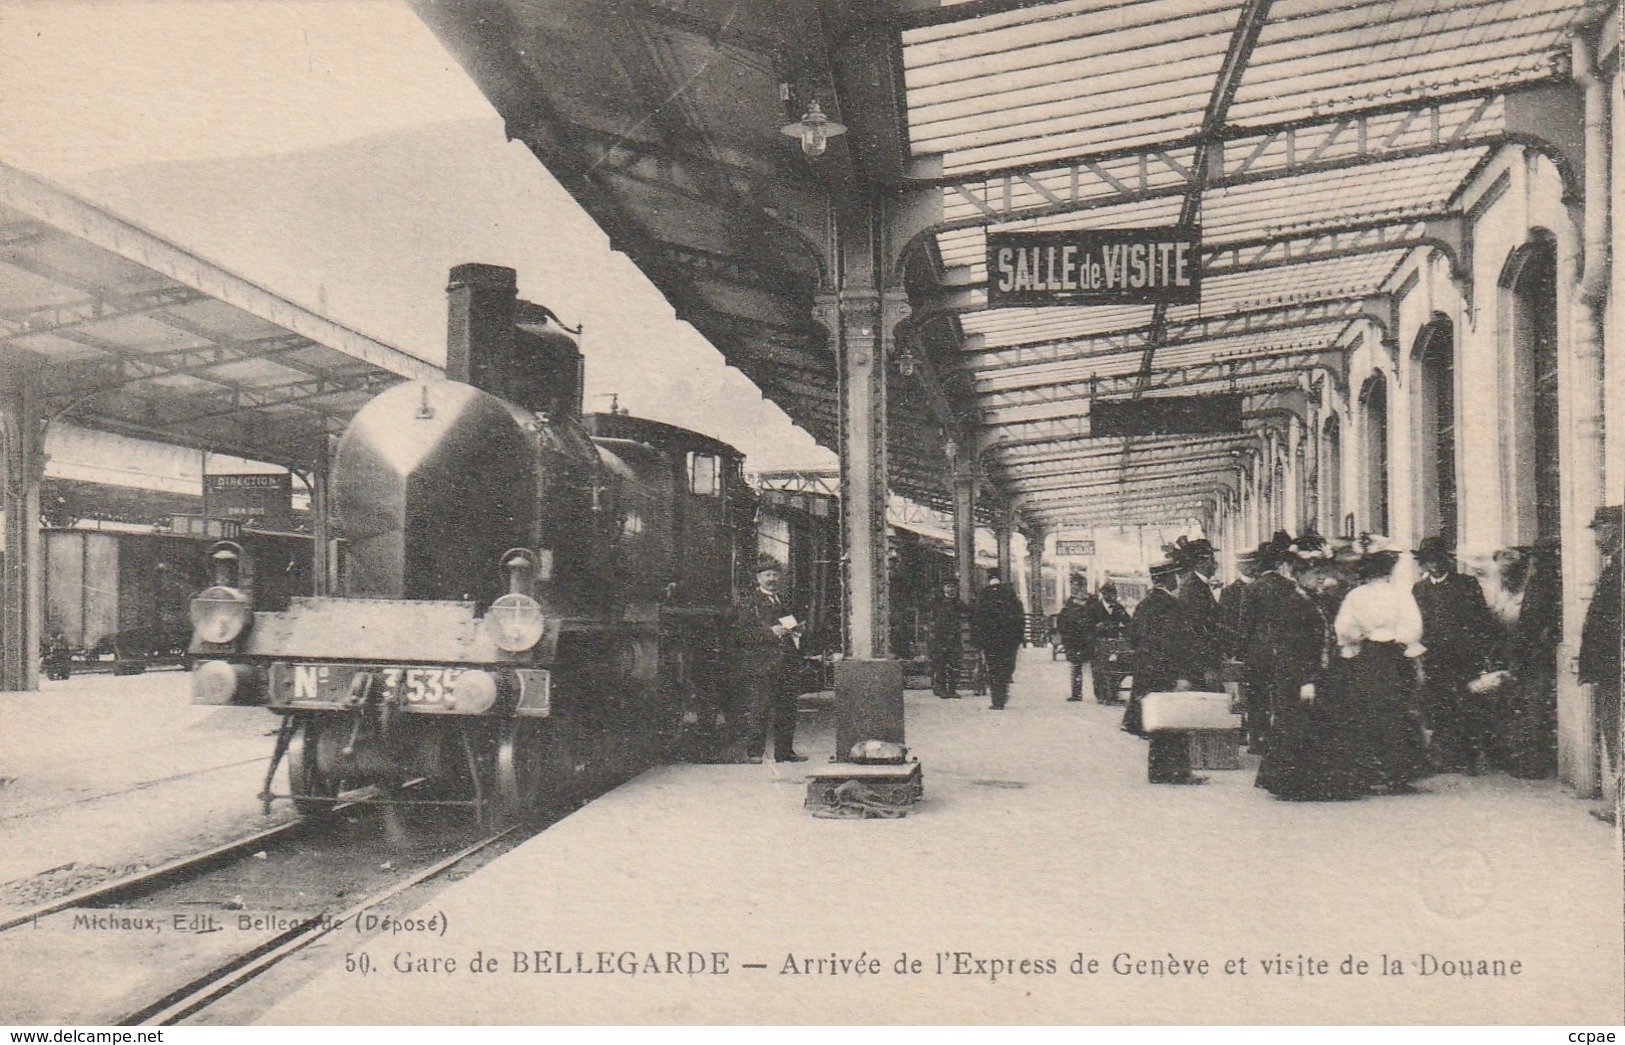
point(474, 692)
point(516, 622)
point(213, 682)
point(219, 614)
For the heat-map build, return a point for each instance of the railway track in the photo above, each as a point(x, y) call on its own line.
point(294, 883)
point(144, 883)
point(204, 990)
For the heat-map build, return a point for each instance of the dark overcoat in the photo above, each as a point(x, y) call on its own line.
point(1206, 624)
point(1162, 638)
point(1458, 629)
point(947, 618)
point(1077, 623)
point(998, 624)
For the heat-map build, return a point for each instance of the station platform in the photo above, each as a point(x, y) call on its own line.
point(1039, 849)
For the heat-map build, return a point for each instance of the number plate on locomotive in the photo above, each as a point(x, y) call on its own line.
point(347, 684)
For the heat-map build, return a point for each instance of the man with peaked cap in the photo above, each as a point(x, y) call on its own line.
point(1599, 653)
point(767, 655)
point(1162, 638)
point(1461, 636)
point(1198, 562)
point(1076, 623)
point(1111, 659)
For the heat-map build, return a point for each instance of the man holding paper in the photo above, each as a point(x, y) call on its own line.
point(766, 690)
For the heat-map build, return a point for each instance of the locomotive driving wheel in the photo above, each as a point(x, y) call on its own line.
point(306, 779)
point(520, 755)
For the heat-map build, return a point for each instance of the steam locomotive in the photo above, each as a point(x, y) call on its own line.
point(533, 600)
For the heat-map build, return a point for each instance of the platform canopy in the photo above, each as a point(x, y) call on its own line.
point(124, 332)
point(1314, 143)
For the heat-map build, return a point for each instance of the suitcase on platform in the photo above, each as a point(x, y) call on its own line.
point(1183, 711)
point(1189, 730)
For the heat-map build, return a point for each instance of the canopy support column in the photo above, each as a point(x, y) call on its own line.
point(321, 524)
point(1004, 535)
point(24, 468)
point(1035, 570)
point(965, 527)
point(862, 320)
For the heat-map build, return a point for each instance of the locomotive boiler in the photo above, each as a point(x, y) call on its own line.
point(532, 602)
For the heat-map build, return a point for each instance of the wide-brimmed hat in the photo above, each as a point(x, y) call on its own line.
point(1188, 553)
point(766, 562)
point(1377, 556)
point(1164, 569)
point(1435, 549)
point(1375, 543)
point(1310, 545)
point(1274, 551)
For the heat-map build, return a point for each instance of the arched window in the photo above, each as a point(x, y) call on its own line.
point(1533, 459)
point(1331, 478)
point(1374, 426)
point(1435, 459)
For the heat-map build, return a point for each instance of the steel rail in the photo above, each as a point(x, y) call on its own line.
point(206, 989)
point(153, 879)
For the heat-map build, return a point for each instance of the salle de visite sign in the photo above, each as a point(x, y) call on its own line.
point(1094, 267)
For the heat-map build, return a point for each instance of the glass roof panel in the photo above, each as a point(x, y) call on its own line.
point(1059, 83)
point(1088, 114)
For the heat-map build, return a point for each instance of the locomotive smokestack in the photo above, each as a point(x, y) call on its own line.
point(479, 322)
point(508, 347)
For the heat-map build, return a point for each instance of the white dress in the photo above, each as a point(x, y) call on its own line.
point(1379, 635)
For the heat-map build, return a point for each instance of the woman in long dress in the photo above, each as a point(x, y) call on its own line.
point(1311, 754)
point(1379, 637)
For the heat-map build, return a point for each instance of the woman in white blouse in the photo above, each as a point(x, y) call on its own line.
point(1379, 637)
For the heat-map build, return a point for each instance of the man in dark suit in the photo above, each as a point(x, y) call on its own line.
point(1076, 623)
point(1232, 600)
point(1162, 637)
point(765, 660)
point(1198, 563)
point(998, 626)
point(1111, 659)
point(1461, 636)
point(1599, 652)
point(947, 619)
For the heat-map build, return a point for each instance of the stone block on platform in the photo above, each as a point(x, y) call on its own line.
point(864, 790)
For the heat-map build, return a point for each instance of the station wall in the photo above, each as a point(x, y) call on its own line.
point(1473, 409)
